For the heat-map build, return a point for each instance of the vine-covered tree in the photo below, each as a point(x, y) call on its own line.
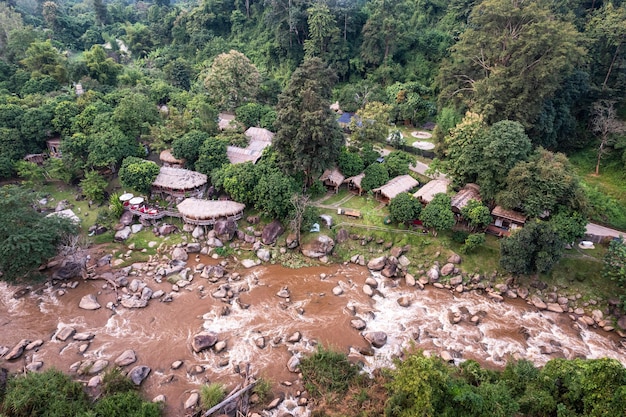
point(438, 215)
point(212, 156)
point(138, 174)
point(375, 175)
point(404, 207)
point(232, 80)
point(476, 214)
point(308, 138)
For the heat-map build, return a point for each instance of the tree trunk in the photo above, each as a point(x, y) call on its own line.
point(608, 73)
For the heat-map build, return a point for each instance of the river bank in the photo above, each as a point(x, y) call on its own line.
point(268, 316)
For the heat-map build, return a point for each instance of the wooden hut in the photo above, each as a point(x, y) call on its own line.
point(505, 221)
point(35, 158)
point(332, 178)
point(430, 189)
point(469, 192)
point(54, 147)
point(395, 186)
point(207, 212)
point(355, 182)
point(169, 160)
point(179, 182)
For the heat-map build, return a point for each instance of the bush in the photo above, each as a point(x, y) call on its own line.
point(114, 381)
point(125, 404)
point(327, 371)
point(472, 242)
point(262, 389)
point(211, 395)
point(459, 236)
point(50, 393)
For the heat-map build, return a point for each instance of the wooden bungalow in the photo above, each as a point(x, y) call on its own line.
point(332, 178)
point(207, 212)
point(179, 182)
point(505, 221)
point(469, 192)
point(169, 160)
point(430, 189)
point(395, 186)
point(355, 182)
point(35, 158)
point(259, 140)
point(54, 147)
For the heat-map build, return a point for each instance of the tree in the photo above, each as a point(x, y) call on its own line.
point(100, 66)
point(535, 248)
point(33, 174)
point(238, 181)
point(607, 126)
point(107, 149)
point(476, 214)
point(308, 138)
point(138, 174)
point(615, 265)
point(273, 193)
point(64, 114)
point(300, 203)
point(212, 156)
point(93, 186)
point(511, 58)
point(27, 238)
point(371, 124)
point(350, 163)
point(569, 225)
point(396, 139)
point(44, 59)
point(232, 80)
point(438, 215)
point(322, 31)
point(134, 114)
point(375, 175)
point(404, 207)
point(188, 146)
point(397, 163)
point(542, 184)
point(384, 31)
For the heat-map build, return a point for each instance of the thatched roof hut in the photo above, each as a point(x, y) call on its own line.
point(430, 189)
point(169, 160)
point(332, 178)
point(469, 192)
point(259, 139)
point(179, 182)
point(206, 212)
point(395, 186)
point(355, 182)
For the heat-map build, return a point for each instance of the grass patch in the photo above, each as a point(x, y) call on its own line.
point(335, 198)
point(211, 395)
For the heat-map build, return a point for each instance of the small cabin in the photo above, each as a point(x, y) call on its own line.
point(54, 147)
point(505, 221)
point(332, 178)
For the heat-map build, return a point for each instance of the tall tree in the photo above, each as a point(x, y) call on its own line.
point(232, 80)
point(438, 215)
point(535, 248)
point(44, 59)
point(384, 30)
point(513, 56)
point(606, 126)
point(322, 31)
point(308, 138)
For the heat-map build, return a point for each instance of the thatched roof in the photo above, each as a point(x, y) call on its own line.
point(259, 139)
point(179, 179)
point(469, 192)
point(333, 177)
point(356, 180)
point(430, 189)
point(196, 209)
point(226, 121)
point(167, 157)
point(508, 214)
point(396, 186)
point(259, 134)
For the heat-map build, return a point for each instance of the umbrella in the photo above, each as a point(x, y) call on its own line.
point(126, 197)
point(136, 200)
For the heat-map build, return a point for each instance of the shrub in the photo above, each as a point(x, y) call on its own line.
point(327, 371)
point(125, 404)
point(114, 381)
point(472, 242)
point(211, 395)
point(262, 389)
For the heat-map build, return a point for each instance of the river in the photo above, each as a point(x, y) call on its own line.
point(161, 333)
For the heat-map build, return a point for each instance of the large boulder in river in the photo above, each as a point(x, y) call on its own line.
point(322, 245)
point(68, 271)
point(179, 254)
point(447, 269)
point(89, 302)
point(271, 232)
point(376, 339)
point(377, 264)
point(225, 229)
point(203, 340)
point(126, 358)
point(17, 350)
point(138, 374)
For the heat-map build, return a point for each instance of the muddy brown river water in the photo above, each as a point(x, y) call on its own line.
point(162, 332)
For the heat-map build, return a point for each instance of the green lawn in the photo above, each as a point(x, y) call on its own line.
point(335, 198)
